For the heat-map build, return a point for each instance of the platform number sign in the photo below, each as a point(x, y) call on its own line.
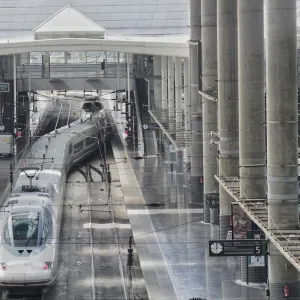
point(243, 247)
point(258, 250)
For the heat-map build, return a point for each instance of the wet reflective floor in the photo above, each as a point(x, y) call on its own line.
point(171, 239)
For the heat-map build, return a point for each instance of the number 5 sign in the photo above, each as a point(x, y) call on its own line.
point(258, 250)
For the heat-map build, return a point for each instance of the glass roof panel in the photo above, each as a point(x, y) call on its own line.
point(131, 17)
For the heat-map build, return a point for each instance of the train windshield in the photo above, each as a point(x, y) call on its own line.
point(92, 106)
point(22, 229)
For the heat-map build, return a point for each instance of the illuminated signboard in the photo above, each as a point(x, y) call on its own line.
point(4, 87)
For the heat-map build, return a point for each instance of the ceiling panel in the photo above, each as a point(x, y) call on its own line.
point(19, 17)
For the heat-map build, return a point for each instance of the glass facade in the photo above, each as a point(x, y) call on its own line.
point(127, 17)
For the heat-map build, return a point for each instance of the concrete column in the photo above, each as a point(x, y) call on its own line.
point(128, 78)
point(178, 100)
point(227, 103)
point(29, 96)
point(178, 110)
point(252, 147)
point(15, 107)
point(210, 108)
point(119, 81)
point(66, 56)
point(157, 82)
point(196, 107)
point(164, 89)
point(282, 138)
point(171, 91)
point(187, 117)
point(129, 100)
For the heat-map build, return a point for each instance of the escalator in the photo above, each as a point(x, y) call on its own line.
point(142, 100)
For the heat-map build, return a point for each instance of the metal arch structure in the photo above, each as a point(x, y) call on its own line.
point(166, 46)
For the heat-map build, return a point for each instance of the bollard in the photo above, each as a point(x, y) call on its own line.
point(214, 216)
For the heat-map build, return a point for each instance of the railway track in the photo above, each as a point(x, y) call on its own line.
point(94, 240)
point(94, 236)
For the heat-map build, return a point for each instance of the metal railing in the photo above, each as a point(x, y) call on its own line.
point(230, 184)
point(73, 71)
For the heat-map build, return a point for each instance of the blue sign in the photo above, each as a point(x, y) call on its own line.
point(4, 87)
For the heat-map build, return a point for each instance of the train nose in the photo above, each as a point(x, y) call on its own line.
point(25, 272)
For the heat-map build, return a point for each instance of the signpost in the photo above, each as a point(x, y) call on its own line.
point(237, 248)
point(4, 87)
point(252, 260)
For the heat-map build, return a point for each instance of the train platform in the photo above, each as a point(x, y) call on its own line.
point(170, 236)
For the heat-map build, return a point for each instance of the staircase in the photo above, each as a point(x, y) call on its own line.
point(142, 98)
point(286, 241)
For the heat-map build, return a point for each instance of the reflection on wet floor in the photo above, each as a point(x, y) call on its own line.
point(171, 238)
point(183, 239)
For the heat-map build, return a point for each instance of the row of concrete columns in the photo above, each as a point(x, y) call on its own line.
point(231, 57)
point(168, 90)
point(241, 114)
point(188, 134)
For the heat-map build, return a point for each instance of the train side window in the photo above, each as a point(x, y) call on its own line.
point(7, 236)
point(90, 140)
point(47, 227)
point(78, 147)
point(70, 149)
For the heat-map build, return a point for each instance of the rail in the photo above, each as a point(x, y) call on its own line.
point(164, 130)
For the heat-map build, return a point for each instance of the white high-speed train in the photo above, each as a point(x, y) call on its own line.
point(31, 216)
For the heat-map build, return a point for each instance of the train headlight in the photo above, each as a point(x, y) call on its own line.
point(47, 265)
point(3, 266)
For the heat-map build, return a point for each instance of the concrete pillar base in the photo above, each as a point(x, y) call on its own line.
point(213, 216)
point(197, 190)
point(179, 161)
point(276, 290)
point(166, 152)
point(209, 202)
point(225, 226)
point(206, 212)
point(187, 193)
point(255, 274)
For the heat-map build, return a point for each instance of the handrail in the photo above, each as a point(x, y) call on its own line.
point(138, 116)
point(68, 121)
point(164, 130)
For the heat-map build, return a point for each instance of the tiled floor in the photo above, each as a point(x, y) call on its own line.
point(171, 239)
